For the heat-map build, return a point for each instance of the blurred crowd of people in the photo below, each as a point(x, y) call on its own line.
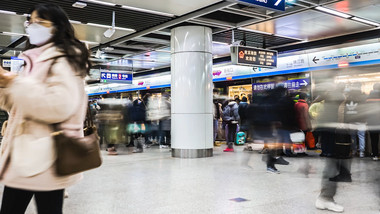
point(141, 122)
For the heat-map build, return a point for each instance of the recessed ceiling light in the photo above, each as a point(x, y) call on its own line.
point(79, 4)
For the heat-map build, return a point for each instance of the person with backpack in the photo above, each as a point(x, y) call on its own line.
point(231, 116)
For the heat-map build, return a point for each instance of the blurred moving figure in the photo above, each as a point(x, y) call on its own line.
point(373, 119)
point(315, 110)
point(336, 145)
point(244, 123)
point(137, 118)
point(111, 123)
point(272, 117)
point(231, 117)
point(165, 121)
point(285, 109)
point(153, 117)
point(355, 116)
point(49, 90)
point(302, 116)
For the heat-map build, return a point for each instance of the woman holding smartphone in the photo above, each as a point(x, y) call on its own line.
point(49, 90)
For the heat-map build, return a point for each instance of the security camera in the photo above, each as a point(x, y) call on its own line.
point(109, 32)
point(238, 43)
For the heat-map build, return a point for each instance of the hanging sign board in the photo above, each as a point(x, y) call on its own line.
point(116, 77)
point(272, 4)
point(241, 55)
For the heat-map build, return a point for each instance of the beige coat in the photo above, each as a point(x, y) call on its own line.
point(36, 100)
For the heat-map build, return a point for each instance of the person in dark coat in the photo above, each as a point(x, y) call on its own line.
point(137, 118)
point(373, 119)
point(231, 116)
point(242, 110)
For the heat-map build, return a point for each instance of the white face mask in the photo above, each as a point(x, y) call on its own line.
point(38, 34)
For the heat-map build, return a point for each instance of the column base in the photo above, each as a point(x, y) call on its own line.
point(192, 153)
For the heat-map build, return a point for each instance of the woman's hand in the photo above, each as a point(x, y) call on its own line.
point(6, 77)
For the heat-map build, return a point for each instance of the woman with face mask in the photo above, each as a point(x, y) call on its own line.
point(49, 90)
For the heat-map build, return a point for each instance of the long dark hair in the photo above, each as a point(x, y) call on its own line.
point(64, 37)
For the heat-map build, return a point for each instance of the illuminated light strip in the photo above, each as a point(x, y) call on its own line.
point(107, 26)
point(221, 43)
point(365, 21)
point(8, 12)
point(13, 34)
point(147, 11)
point(100, 2)
point(333, 12)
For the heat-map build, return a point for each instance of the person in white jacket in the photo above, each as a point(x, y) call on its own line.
point(49, 90)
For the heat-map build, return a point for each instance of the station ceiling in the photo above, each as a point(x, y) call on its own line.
point(142, 39)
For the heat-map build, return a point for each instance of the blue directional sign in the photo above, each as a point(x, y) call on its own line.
point(272, 4)
point(116, 77)
point(289, 84)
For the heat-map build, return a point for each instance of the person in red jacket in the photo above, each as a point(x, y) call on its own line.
point(302, 113)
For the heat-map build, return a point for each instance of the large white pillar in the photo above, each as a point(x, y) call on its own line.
point(191, 92)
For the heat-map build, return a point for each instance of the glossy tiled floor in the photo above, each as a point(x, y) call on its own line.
point(153, 182)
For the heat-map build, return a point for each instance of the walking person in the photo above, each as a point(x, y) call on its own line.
point(231, 116)
point(165, 121)
point(49, 90)
point(354, 115)
point(137, 118)
point(336, 168)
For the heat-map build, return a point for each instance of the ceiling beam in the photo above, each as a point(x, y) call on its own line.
point(181, 19)
point(336, 40)
point(13, 45)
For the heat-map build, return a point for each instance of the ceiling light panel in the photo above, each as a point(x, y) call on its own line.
point(79, 4)
point(333, 12)
point(365, 21)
